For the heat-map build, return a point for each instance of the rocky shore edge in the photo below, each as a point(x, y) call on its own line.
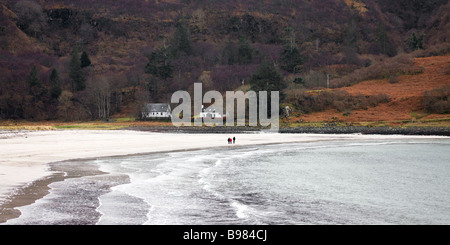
point(430, 131)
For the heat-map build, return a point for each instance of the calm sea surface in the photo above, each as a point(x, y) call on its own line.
point(396, 180)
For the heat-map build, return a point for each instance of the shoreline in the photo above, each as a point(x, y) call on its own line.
point(25, 156)
point(27, 195)
point(365, 130)
point(407, 131)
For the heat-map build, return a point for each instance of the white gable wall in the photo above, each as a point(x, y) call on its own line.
point(155, 114)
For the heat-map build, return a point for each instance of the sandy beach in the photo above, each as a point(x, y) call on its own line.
point(25, 155)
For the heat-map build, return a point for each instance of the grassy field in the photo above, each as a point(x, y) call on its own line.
point(123, 123)
point(114, 124)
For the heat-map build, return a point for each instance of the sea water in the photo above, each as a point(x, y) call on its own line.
point(392, 180)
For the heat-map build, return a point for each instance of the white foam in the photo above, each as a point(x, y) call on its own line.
point(241, 209)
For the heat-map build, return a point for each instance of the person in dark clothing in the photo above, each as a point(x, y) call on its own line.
point(229, 140)
point(234, 139)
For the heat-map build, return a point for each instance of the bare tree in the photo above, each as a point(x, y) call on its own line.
point(100, 89)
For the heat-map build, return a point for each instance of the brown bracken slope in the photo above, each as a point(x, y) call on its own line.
point(405, 96)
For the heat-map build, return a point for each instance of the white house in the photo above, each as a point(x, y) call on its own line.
point(209, 113)
point(156, 110)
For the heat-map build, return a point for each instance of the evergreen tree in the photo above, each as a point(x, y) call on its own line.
point(36, 105)
point(75, 73)
point(385, 45)
point(159, 64)
point(350, 48)
point(351, 36)
point(244, 52)
point(55, 90)
point(85, 61)
point(229, 54)
point(33, 79)
point(420, 42)
point(267, 78)
point(181, 42)
point(160, 67)
point(415, 42)
point(290, 59)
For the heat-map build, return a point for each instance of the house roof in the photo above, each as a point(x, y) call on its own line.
point(157, 107)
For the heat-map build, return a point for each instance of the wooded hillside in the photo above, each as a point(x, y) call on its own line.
point(90, 59)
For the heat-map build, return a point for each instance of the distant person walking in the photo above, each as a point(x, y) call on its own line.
point(234, 139)
point(229, 140)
